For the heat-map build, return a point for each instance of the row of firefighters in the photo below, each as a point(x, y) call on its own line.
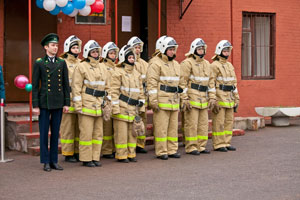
point(109, 101)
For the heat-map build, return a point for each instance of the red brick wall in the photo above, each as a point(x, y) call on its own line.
point(211, 20)
point(1, 31)
point(100, 33)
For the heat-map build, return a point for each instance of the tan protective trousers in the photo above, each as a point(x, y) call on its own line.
point(90, 137)
point(142, 139)
point(165, 132)
point(196, 129)
point(222, 125)
point(182, 127)
point(108, 146)
point(69, 134)
point(125, 143)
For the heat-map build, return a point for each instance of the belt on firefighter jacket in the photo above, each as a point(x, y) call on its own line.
point(201, 88)
point(128, 100)
point(227, 87)
point(171, 89)
point(95, 93)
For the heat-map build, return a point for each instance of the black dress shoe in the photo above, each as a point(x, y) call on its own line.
point(132, 159)
point(109, 156)
point(205, 151)
point(97, 163)
point(71, 159)
point(47, 167)
point(123, 160)
point(141, 150)
point(221, 149)
point(175, 155)
point(195, 152)
point(231, 148)
point(76, 156)
point(163, 157)
point(89, 164)
point(56, 166)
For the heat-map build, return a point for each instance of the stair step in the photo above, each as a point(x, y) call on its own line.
point(35, 150)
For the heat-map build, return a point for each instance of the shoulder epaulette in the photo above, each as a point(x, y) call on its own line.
point(60, 59)
point(39, 60)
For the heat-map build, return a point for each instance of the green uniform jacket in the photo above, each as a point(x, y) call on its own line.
point(50, 84)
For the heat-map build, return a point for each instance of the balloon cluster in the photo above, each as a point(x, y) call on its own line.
point(71, 7)
point(22, 82)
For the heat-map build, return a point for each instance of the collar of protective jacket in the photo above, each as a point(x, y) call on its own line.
point(71, 58)
point(93, 61)
point(128, 68)
point(109, 63)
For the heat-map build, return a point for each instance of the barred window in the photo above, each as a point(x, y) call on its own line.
point(258, 46)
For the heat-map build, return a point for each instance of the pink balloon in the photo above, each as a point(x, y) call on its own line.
point(21, 81)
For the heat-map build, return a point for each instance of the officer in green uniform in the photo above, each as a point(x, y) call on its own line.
point(50, 97)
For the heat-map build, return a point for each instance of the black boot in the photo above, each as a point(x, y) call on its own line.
point(97, 163)
point(141, 150)
point(109, 156)
point(175, 155)
point(56, 166)
point(71, 159)
point(76, 156)
point(221, 149)
point(47, 167)
point(163, 157)
point(132, 159)
point(231, 148)
point(195, 153)
point(123, 160)
point(89, 164)
point(205, 151)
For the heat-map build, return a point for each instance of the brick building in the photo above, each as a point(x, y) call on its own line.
point(264, 35)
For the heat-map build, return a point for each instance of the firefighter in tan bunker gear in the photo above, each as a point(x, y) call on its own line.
point(109, 55)
point(157, 47)
point(223, 78)
point(89, 88)
point(196, 72)
point(127, 101)
point(141, 66)
point(164, 88)
point(69, 130)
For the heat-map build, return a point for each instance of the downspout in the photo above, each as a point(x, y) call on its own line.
point(29, 59)
point(116, 22)
point(231, 26)
point(159, 17)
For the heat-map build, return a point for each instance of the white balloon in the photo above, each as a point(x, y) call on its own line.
point(89, 2)
point(61, 3)
point(85, 11)
point(49, 5)
point(74, 13)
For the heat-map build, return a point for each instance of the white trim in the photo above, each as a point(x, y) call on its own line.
point(169, 78)
point(130, 89)
point(199, 78)
point(143, 76)
point(109, 97)
point(152, 92)
point(94, 82)
point(70, 81)
point(236, 90)
point(211, 89)
point(77, 98)
point(142, 100)
point(115, 102)
point(226, 79)
point(185, 90)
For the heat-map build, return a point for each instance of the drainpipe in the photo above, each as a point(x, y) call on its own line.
point(231, 26)
point(159, 17)
point(29, 60)
point(116, 22)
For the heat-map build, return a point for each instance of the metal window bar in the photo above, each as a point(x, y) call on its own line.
point(258, 46)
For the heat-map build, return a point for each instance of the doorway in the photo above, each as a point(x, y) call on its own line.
point(144, 22)
point(16, 42)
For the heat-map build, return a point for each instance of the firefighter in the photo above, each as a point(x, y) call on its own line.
point(69, 130)
point(157, 47)
point(127, 101)
point(164, 88)
point(141, 66)
point(196, 71)
point(223, 78)
point(89, 88)
point(109, 56)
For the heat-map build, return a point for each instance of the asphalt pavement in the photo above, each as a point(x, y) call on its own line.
point(266, 166)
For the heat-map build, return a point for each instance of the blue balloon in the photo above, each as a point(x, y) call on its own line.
point(39, 3)
point(68, 9)
point(56, 10)
point(79, 4)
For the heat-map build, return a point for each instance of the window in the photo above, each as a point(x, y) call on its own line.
point(258, 46)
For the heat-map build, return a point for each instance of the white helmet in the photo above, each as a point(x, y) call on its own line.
point(159, 41)
point(135, 41)
point(198, 42)
point(166, 43)
point(71, 40)
point(107, 47)
point(124, 51)
point(90, 45)
point(222, 45)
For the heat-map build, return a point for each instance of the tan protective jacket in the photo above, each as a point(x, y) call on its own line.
point(89, 74)
point(196, 70)
point(127, 81)
point(110, 66)
point(164, 72)
point(223, 74)
point(141, 66)
point(72, 63)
